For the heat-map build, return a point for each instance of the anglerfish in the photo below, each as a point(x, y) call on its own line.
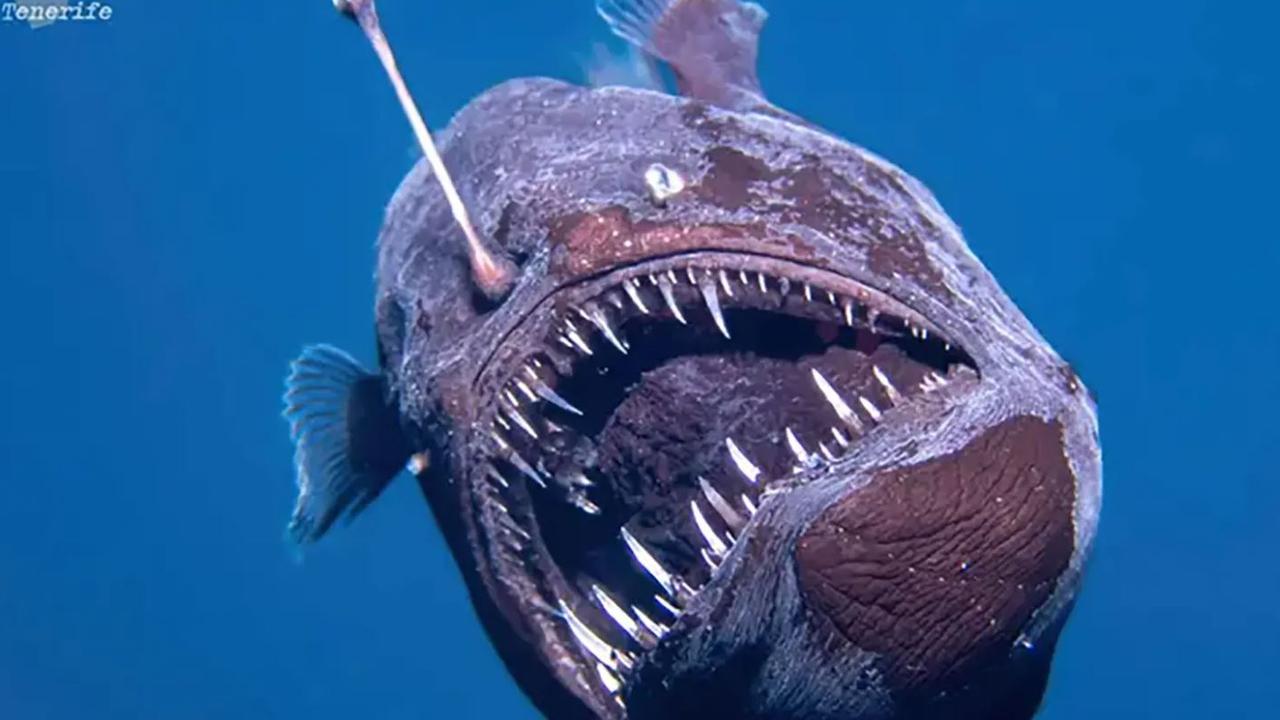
point(718, 413)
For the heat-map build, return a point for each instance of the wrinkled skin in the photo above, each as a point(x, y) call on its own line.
point(927, 574)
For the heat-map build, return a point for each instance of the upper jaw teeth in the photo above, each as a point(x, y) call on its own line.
point(712, 298)
point(596, 315)
point(723, 507)
point(667, 286)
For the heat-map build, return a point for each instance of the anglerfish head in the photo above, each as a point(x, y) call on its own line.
point(749, 434)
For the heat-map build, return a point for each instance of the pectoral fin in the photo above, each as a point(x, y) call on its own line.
point(711, 45)
point(348, 443)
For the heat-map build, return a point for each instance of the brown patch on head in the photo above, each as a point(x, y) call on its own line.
point(904, 255)
point(811, 194)
point(731, 177)
point(937, 567)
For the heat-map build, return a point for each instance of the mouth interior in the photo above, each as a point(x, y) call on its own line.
point(634, 448)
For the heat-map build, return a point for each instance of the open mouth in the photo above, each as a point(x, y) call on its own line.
point(630, 451)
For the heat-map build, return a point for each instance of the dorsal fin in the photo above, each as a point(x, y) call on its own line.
point(711, 45)
point(347, 437)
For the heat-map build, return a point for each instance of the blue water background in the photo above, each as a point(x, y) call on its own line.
point(191, 191)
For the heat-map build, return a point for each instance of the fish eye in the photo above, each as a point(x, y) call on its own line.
point(663, 182)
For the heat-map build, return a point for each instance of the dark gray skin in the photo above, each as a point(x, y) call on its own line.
point(925, 574)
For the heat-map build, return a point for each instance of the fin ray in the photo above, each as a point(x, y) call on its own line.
point(347, 441)
point(711, 45)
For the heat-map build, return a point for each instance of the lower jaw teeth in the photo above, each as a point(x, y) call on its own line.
point(519, 418)
point(721, 506)
point(614, 664)
point(608, 679)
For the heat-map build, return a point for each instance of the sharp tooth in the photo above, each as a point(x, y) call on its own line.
point(808, 293)
point(580, 479)
point(847, 306)
point(615, 611)
point(724, 283)
point(583, 503)
point(626, 659)
point(649, 562)
point(843, 411)
point(509, 523)
point(718, 546)
point(745, 466)
point(653, 626)
point(500, 441)
point(523, 422)
point(576, 338)
point(632, 289)
point(667, 605)
point(510, 398)
point(525, 390)
point(802, 455)
point(595, 315)
point(692, 275)
point(764, 287)
point(668, 294)
point(710, 561)
point(889, 389)
point(509, 454)
point(497, 477)
point(742, 275)
point(831, 297)
point(840, 438)
point(924, 333)
point(545, 392)
point(784, 285)
point(750, 506)
point(502, 421)
point(826, 451)
point(709, 293)
point(871, 409)
point(938, 379)
point(608, 679)
point(726, 511)
point(514, 458)
point(592, 643)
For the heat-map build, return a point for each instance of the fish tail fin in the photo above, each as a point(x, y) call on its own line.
point(348, 443)
point(711, 45)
